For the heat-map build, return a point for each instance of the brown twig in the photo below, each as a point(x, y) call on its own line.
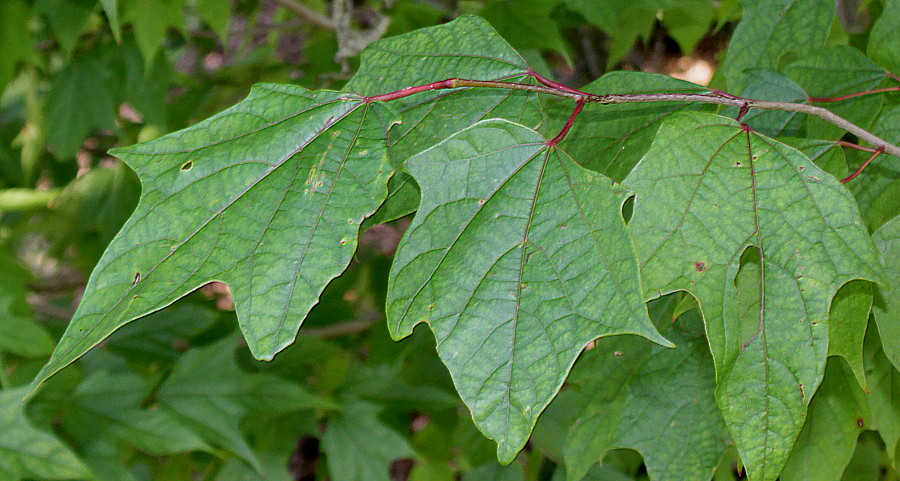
point(715, 97)
point(307, 14)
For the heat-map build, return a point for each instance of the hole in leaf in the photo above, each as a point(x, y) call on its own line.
point(187, 166)
point(137, 278)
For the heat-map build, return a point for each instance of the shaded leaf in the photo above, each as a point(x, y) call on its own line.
point(887, 305)
point(771, 30)
point(837, 414)
point(67, 18)
point(847, 322)
point(837, 71)
point(17, 47)
point(878, 186)
point(884, 382)
point(19, 334)
point(517, 258)
point(732, 190)
point(106, 407)
point(151, 20)
point(210, 394)
point(26, 452)
point(359, 446)
point(660, 402)
point(883, 47)
point(266, 196)
point(527, 24)
point(69, 118)
point(766, 84)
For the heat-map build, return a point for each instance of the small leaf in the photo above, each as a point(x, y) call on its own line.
point(210, 394)
point(151, 20)
point(517, 258)
point(359, 446)
point(106, 407)
point(26, 452)
point(267, 196)
point(69, 118)
point(707, 191)
point(17, 45)
point(19, 334)
point(67, 18)
point(887, 304)
point(847, 322)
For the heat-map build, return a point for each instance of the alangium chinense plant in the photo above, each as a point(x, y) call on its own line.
point(546, 220)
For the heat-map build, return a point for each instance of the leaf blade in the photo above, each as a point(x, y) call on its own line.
point(486, 236)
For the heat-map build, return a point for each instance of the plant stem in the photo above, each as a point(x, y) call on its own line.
point(856, 94)
point(714, 97)
point(565, 130)
point(852, 176)
point(307, 14)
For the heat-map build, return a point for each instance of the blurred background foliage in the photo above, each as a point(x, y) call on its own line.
point(176, 396)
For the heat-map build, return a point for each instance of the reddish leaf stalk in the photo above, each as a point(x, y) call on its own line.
point(549, 83)
point(851, 145)
point(565, 130)
point(852, 176)
point(854, 95)
point(549, 87)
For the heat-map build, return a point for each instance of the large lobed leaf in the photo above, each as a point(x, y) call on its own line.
point(266, 196)
point(517, 258)
point(709, 190)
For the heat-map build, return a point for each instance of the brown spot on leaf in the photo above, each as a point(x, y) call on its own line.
point(699, 266)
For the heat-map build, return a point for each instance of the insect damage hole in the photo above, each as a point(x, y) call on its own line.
point(137, 278)
point(187, 166)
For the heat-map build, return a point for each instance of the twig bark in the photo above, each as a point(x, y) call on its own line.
point(714, 97)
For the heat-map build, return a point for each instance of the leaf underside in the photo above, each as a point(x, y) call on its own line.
point(517, 258)
point(707, 191)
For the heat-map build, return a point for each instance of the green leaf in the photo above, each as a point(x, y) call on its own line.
point(216, 14)
point(151, 20)
point(67, 18)
point(210, 394)
point(771, 30)
point(467, 47)
point(359, 446)
point(660, 402)
point(878, 186)
point(765, 84)
point(883, 46)
point(16, 43)
point(834, 72)
point(610, 139)
point(69, 117)
point(847, 322)
point(156, 338)
point(527, 24)
point(884, 382)
point(111, 8)
point(887, 304)
point(517, 258)
point(107, 407)
point(26, 452)
point(837, 414)
point(707, 191)
point(19, 334)
point(266, 196)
